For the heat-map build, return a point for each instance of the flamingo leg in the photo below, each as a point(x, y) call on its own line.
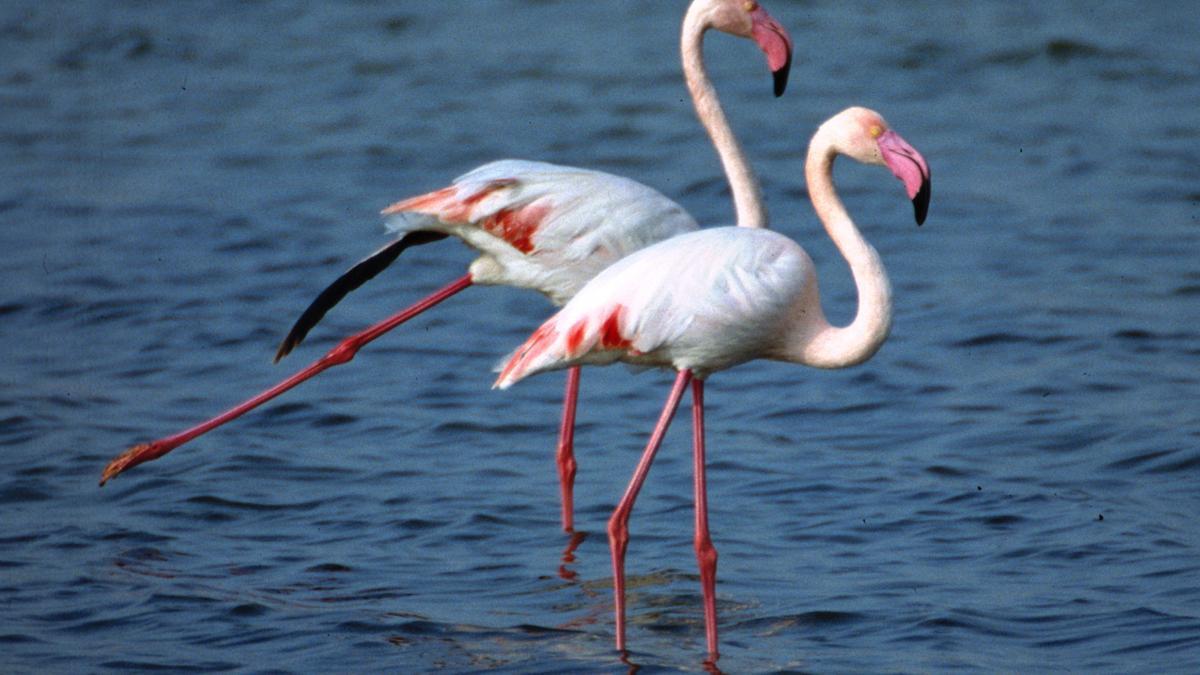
point(618, 524)
point(343, 352)
point(565, 456)
point(706, 553)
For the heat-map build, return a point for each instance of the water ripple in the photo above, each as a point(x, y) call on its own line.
point(1006, 487)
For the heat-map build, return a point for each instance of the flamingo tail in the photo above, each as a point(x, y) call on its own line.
point(530, 357)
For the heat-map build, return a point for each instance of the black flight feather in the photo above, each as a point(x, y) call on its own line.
point(356, 276)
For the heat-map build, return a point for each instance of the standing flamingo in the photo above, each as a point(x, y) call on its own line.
point(540, 226)
point(712, 299)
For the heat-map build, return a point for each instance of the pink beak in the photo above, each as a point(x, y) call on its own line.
point(910, 167)
point(775, 42)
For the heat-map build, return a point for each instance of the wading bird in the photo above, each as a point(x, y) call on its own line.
point(709, 300)
point(540, 226)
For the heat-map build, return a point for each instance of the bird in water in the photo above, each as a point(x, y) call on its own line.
point(709, 300)
point(540, 226)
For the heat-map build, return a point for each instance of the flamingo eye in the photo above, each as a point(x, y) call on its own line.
point(750, 6)
point(875, 130)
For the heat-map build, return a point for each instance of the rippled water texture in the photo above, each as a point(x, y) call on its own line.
point(1010, 485)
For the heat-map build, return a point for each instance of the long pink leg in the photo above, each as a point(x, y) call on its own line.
point(566, 450)
point(340, 354)
point(618, 524)
point(706, 553)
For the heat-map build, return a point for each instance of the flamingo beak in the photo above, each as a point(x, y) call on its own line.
point(910, 167)
point(775, 42)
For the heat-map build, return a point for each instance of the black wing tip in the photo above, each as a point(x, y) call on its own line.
point(311, 316)
point(289, 343)
point(356, 276)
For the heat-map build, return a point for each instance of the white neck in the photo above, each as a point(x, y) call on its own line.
point(747, 196)
point(815, 342)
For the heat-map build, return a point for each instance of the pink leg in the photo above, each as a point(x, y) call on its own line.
point(566, 450)
point(340, 354)
point(618, 524)
point(706, 553)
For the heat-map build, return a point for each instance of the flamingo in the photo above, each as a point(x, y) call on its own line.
point(540, 226)
point(709, 300)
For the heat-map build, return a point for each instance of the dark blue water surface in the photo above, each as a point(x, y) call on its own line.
point(1012, 484)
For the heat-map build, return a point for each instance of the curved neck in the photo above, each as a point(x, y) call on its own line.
point(827, 346)
point(747, 196)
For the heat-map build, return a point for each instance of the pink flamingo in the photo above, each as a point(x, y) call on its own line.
point(708, 300)
point(540, 226)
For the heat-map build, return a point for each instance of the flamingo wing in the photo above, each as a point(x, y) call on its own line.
point(539, 225)
point(543, 207)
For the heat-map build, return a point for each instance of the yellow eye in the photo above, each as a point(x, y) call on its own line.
point(876, 131)
point(750, 6)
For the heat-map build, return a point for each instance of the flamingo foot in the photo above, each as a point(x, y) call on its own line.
point(142, 452)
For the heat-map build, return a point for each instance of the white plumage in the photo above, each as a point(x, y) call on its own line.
point(543, 226)
point(706, 301)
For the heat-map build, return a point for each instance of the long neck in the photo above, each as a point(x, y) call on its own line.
point(827, 346)
point(747, 196)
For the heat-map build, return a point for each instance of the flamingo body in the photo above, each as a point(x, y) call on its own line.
point(542, 226)
point(704, 301)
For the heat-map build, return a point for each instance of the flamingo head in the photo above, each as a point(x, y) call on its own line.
point(748, 19)
point(864, 135)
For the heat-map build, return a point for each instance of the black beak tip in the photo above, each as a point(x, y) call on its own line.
point(921, 203)
point(781, 77)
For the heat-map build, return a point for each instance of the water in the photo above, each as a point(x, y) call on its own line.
point(1010, 485)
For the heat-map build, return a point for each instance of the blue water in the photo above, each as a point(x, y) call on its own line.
point(1011, 484)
